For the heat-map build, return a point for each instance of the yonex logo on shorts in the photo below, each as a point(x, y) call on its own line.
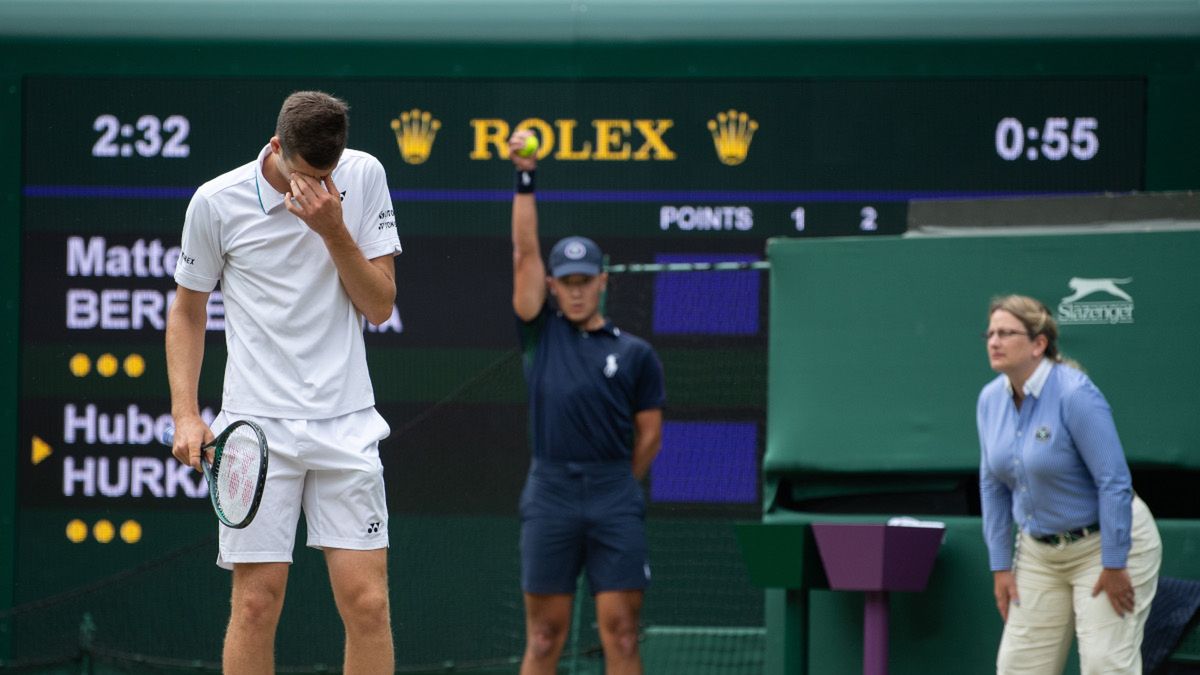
point(372, 528)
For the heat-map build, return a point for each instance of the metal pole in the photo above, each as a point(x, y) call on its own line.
point(875, 633)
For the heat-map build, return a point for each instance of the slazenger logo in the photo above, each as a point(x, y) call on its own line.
point(1117, 308)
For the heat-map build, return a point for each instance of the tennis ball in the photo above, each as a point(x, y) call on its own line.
point(530, 147)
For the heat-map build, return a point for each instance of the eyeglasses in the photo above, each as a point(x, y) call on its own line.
point(1002, 333)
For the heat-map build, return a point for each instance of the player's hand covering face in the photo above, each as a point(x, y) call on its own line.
point(317, 203)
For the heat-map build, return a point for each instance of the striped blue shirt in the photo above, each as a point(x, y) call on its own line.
point(1054, 465)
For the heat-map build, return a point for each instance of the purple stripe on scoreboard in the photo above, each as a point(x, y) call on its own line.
point(706, 303)
point(580, 196)
point(108, 192)
point(710, 462)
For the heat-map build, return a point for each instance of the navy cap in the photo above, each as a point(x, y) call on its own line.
point(575, 255)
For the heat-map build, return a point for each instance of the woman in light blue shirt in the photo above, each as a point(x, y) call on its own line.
point(1087, 551)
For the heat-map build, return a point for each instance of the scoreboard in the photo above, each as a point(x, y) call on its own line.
point(651, 169)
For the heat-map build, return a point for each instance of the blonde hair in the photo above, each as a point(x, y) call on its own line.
point(1037, 321)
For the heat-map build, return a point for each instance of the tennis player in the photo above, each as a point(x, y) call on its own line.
point(595, 397)
point(301, 240)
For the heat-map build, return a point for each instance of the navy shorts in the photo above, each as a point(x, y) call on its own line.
point(583, 514)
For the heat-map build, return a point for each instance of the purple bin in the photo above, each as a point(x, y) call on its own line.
point(871, 557)
point(876, 559)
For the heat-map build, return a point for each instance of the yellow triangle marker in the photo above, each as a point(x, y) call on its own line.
point(41, 450)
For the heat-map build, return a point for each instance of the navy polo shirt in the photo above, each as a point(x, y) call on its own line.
point(585, 388)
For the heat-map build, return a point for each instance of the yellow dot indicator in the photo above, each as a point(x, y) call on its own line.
point(131, 532)
point(135, 365)
point(106, 365)
point(76, 531)
point(81, 365)
point(103, 531)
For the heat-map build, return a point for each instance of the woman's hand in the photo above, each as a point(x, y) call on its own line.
point(1005, 590)
point(1116, 583)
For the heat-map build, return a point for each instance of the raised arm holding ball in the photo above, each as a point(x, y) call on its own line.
point(595, 414)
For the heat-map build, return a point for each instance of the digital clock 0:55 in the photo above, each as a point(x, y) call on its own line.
point(148, 137)
point(1055, 139)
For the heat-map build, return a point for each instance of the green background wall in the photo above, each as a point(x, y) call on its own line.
point(897, 323)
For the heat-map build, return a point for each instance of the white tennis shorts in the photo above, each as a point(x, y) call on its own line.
point(331, 468)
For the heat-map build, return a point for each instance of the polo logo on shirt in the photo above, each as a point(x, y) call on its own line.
point(1042, 433)
point(610, 365)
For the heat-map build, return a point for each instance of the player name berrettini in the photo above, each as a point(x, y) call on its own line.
point(125, 308)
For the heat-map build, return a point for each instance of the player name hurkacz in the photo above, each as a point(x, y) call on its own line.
point(110, 472)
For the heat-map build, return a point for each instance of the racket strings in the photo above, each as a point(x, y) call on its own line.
point(237, 473)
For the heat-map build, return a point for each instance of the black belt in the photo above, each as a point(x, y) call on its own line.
point(1064, 538)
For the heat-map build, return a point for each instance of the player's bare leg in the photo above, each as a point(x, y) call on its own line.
point(618, 613)
point(258, 590)
point(547, 618)
point(360, 590)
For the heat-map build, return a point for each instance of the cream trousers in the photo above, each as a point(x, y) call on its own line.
point(1055, 589)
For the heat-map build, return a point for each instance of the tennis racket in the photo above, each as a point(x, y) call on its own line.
point(237, 472)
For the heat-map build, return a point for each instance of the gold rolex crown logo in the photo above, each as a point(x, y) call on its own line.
point(732, 132)
point(415, 131)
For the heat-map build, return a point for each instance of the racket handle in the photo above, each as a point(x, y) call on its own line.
point(167, 437)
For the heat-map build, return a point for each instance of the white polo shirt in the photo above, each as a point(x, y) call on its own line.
point(295, 339)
